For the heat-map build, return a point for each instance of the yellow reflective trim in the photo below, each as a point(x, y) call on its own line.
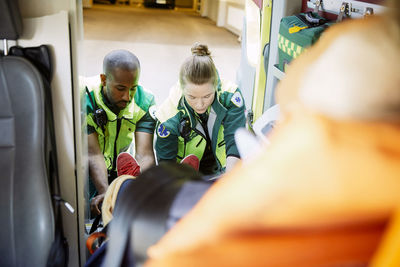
point(289, 47)
point(295, 29)
point(260, 80)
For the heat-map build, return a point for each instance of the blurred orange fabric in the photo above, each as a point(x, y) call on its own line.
point(320, 195)
point(323, 191)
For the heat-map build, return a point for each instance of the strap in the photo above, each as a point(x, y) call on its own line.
point(91, 99)
point(95, 224)
point(309, 19)
point(58, 255)
point(59, 251)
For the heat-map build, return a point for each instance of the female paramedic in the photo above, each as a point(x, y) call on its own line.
point(200, 116)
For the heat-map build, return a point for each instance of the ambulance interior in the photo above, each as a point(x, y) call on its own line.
point(35, 204)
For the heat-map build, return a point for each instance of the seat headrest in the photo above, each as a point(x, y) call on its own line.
point(10, 20)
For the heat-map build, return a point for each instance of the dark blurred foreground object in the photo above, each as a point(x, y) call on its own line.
point(146, 207)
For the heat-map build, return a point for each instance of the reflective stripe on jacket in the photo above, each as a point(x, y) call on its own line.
point(118, 133)
point(225, 116)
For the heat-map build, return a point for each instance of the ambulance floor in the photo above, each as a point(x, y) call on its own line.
point(161, 38)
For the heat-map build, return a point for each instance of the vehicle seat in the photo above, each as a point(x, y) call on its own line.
point(26, 212)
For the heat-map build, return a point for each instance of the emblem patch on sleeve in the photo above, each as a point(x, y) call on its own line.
point(237, 99)
point(162, 131)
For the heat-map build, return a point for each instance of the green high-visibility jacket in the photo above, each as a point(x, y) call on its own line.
point(118, 134)
point(226, 114)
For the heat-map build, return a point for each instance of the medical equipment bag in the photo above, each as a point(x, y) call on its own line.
point(298, 32)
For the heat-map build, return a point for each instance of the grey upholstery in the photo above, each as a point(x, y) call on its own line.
point(10, 20)
point(26, 214)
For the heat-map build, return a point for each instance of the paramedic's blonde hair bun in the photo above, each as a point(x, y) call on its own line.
point(198, 68)
point(200, 50)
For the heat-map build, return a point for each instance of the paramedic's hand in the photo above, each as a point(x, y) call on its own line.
point(95, 204)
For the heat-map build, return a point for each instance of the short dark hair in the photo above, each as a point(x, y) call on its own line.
point(120, 59)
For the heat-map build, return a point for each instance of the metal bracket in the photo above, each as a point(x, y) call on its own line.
point(318, 3)
point(344, 10)
point(355, 8)
point(5, 47)
point(368, 11)
point(250, 119)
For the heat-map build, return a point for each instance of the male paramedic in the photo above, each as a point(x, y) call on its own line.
point(118, 111)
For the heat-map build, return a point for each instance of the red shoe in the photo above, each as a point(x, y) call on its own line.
point(126, 164)
point(191, 160)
